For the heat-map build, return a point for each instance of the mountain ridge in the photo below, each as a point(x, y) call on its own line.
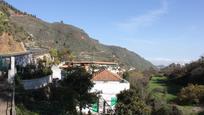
point(59, 35)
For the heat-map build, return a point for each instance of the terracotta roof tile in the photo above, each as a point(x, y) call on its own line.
point(106, 75)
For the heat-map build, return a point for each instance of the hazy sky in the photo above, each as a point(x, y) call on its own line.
point(161, 31)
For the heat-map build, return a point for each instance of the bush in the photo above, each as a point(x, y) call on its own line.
point(192, 94)
point(33, 71)
point(130, 103)
point(168, 110)
point(21, 110)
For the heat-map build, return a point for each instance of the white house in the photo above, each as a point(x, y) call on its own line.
point(109, 84)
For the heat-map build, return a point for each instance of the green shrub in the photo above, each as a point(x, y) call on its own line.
point(192, 94)
point(21, 110)
point(130, 103)
point(168, 110)
point(33, 71)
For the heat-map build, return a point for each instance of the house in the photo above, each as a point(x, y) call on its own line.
point(94, 66)
point(109, 85)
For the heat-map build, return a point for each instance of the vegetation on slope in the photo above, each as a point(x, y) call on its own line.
point(189, 73)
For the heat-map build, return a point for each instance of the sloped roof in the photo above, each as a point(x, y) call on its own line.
point(8, 46)
point(106, 75)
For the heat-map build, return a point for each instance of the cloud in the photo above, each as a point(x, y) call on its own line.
point(146, 19)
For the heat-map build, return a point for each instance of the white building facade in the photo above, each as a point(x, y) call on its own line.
point(109, 85)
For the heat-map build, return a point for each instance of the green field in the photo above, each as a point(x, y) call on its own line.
point(161, 88)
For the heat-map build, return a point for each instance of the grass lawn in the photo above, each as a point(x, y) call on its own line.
point(161, 88)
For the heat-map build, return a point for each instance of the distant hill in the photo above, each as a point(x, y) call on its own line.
point(35, 32)
point(160, 66)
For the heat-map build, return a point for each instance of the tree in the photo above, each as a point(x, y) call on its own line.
point(126, 76)
point(64, 54)
point(129, 103)
point(79, 82)
point(54, 54)
point(183, 75)
point(61, 98)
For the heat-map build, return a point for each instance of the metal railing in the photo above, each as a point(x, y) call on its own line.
point(107, 109)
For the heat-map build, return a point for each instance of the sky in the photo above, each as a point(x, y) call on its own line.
point(161, 31)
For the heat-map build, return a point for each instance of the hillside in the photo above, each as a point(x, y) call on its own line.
point(59, 35)
point(8, 45)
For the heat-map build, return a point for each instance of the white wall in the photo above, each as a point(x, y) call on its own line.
point(109, 90)
point(56, 72)
point(12, 71)
point(110, 87)
point(36, 83)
